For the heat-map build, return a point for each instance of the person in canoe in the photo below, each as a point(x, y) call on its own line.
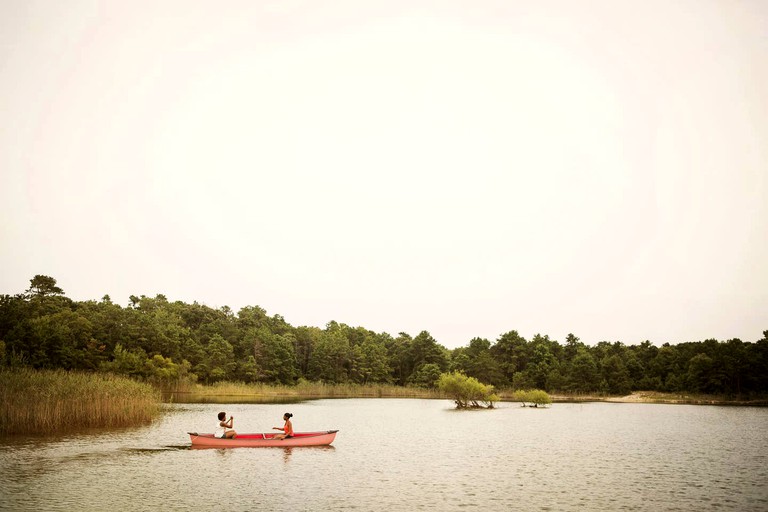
point(287, 428)
point(224, 429)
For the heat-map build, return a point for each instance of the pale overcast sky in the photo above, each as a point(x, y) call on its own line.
point(465, 168)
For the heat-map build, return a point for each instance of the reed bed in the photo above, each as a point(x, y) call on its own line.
point(48, 401)
point(306, 389)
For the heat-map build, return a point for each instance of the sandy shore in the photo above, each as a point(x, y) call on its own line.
point(655, 397)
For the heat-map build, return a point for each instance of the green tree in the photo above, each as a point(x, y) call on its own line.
point(64, 340)
point(542, 361)
point(466, 391)
point(398, 353)
point(330, 361)
point(247, 370)
point(43, 286)
point(522, 380)
point(275, 356)
point(133, 363)
point(572, 346)
point(699, 373)
point(162, 370)
point(459, 360)
point(219, 363)
point(511, 353)
point(306, 339)
point(616, 375)
point(374, 364)
point(481, 364)
point(666, 366)
point(425, 350)
point(557, 380)
point(758, 372)
point(425, 376)
point(584, 375)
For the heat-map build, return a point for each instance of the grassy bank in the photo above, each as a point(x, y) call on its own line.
point(311, 390)
point(47, 401)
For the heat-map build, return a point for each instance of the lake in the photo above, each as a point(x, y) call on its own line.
point(407, 454)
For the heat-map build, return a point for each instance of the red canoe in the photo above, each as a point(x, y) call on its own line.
point(263, 440)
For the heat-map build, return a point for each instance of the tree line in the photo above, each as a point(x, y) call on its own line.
point(157, 340)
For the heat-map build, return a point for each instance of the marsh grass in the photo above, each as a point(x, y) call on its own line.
point(47, 401)
point(305, 389)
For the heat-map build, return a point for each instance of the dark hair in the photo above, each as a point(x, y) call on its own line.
point(289, 415)
point(222, 415)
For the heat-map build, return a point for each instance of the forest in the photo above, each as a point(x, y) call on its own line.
point(162, 342)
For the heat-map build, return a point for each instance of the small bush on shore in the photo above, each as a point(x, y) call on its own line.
point(534, 397)
point(47, 401)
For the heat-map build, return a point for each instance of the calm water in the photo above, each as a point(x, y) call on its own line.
point(408, 455)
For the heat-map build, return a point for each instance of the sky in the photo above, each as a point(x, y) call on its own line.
point(465, 168)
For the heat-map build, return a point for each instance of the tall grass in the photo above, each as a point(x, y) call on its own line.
point(305, 389)
point(47, 401)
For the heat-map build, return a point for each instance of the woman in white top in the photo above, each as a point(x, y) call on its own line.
point(224, 428)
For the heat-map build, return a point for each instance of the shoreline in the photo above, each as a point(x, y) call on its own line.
point(656, 397)
point(266, 395)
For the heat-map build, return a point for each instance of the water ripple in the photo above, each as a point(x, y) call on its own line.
point(409, 455)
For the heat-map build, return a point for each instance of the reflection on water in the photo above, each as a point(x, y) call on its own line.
point(195, 398)
point(395, 454)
